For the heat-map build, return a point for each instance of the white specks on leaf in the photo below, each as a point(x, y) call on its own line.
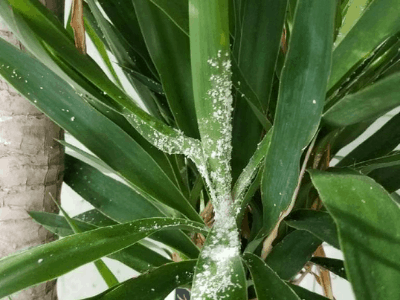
point(40, 260)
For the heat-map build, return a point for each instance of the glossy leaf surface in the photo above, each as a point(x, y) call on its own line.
point(168, 277)
point(137, 256)
point(369, 229)
point(49, 261)
point(90, 127)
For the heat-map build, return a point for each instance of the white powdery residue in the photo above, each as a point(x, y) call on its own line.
point(219, 150)
point(216, 277)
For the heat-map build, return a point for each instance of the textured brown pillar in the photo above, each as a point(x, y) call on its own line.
point(31, 166)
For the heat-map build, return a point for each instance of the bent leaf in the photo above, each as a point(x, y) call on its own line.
point(369, 103)
point(267, 284)
point(318, 223)
point(368, 222)
point(143, 287)
point(100, 135)
point(52, 260)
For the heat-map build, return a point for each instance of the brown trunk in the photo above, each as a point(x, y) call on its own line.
point(31, 165)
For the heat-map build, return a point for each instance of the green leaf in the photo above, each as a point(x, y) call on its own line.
point(290, 255)
point(259, 44)
point(306, 294)
point(300, 103)
point(127, 59)
point(368, 222)
point(95, 34)
point(393, 159)
point(169, 49)
point(95, 217)
point(86, 157)
point(219, 271)
point(334, 265)
point(143, 287)
point(104, 271)
point(363, 38)
point(249, 172)
point(318, 223)
point(209, 48)
point(369, 103)
point(137, 256)
point(49, 261)
point(379, 144)
point(267, 283)
point(244, 90)
point(94, 130)
point(177, 11)
point(119, 202)
point(388, 177)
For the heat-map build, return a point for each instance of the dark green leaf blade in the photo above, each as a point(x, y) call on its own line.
point(369, 103)
point(143, 287)
point(137, 256)
point(368, 221)
point(259, 44)
point(119, 202)
point(177, 11)
point(334, 265)
point(364, 37)
point(306, 294)
point(318, 223)
point(290, 255)
point(267, 284)
point(49, 261)
point(379, 144)
point(91, 128)
point(169, 49)
point(300, 103)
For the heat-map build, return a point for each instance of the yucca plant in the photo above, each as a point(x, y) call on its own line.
point(224, 154)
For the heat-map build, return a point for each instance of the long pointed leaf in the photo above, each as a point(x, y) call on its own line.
point(119, 202)
point(101, 136)
point(369, 103)
point(142, 287)
point(301, 99)
point(49, 261)
point(267, 283)
point(364, 37)
point(137, 256)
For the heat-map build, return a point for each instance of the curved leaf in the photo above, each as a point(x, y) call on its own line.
point(379, 144)
point(368, 222)
point(119, 202)
point(334, 265)
point(143, 287)
point(49, 261)
point(364, 37)
point(369, 103)
point(290, 255)
point(169, 49)
point(318, 223)
point(306, 294)
point(91, 128)
point(267, 284)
